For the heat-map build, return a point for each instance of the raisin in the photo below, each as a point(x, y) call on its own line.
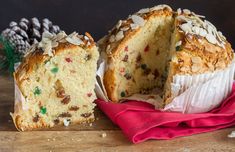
point(87, 57)
point(126, 48)
point(36, 118)
point(147, 71)
point(143, 66)
point(74, 108)
point(180, 61)
point(138, 59)
point(56, 121)
point(86, 115)
point(127, 76)
point(66, 100)
point(158, 52)
point(125, 59)
point(60, 93)
point(156, 73)
point(65, 114)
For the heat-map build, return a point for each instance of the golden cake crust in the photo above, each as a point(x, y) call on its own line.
point(38, 56)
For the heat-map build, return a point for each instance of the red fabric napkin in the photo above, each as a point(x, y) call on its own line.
point(139, 121)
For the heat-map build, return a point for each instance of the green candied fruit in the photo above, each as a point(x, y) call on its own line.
point(123, 94)
point(43, 110)
point(178, 48)
point(37, 91)
point(143, 66)
point(54, 70)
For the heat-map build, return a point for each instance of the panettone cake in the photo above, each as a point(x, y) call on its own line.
point(55, 82)
point(150, 47)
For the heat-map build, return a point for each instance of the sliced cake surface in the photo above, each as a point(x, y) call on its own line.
point(153, 45)
point(56, 82)
point(136, 52)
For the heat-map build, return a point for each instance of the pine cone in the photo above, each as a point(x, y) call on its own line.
point(27, 32)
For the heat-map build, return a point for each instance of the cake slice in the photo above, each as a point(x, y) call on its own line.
point(55, 82)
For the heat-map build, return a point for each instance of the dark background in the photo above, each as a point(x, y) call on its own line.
point(98, 16)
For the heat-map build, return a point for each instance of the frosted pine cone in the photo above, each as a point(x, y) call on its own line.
point(27, 32)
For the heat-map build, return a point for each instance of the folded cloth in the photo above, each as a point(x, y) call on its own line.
point(139, 121)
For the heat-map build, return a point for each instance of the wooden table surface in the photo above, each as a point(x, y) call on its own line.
point(89, 138)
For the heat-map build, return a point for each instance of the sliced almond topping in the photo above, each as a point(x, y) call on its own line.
point(143, 11)
point(138, 20)
point(119, 36)
point(119, 24)
point(211, 38)
point(112, 38)
point(74, 40)
point(134, 26)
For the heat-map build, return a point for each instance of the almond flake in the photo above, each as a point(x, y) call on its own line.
point(124, 29)
point(138, 20)
point(112, 38)
point(179, 11)
point(202, 32)
point(119, 36)
point(74, 40)
point(196, 29)
point(134, 26)
point(119, 24)
point(186, 11)
point(159, 7)
point(86, 38)
point(211, 38)
point(143, 11)
point(107, 48)
point(54, 44)
point(186, 27)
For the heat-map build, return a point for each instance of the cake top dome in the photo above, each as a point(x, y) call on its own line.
point(124, 29)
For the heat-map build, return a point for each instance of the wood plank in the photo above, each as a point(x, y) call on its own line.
point(88, 138)
point(115, 141)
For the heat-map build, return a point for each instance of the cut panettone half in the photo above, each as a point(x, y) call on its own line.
point(153, 45)
point(55, 82)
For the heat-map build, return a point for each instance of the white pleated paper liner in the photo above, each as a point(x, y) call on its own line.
point(201, 93)
point(193, 93)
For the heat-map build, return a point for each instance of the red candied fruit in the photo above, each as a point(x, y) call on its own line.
point(89, 94)
point(68, 60)
point(146, 49)
point(126, 48)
